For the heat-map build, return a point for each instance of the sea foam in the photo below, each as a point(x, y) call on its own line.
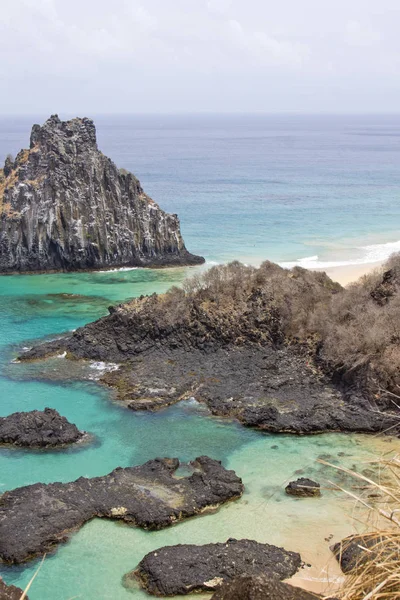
point(369, 254)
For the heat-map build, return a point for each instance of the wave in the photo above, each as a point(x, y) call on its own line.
point(118, 269)
point(372, 253)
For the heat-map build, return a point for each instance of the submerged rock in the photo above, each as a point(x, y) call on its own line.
point(261, 588)
point(10, 592)
point(303, 487)
point(38, 429)
point(65, 206)
point(36, 518)
point(187, 568)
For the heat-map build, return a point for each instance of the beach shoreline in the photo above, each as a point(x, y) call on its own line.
point(347, 274)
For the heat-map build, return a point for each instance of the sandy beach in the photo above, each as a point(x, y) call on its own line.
point(350, 273)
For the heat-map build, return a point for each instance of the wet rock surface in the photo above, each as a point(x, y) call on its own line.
point(64, 206)
point(271, 389)
point(261, 588)
point(36, 518)
point(303, 488)
point(38, 429)
point(10, 592)
point(187, 568)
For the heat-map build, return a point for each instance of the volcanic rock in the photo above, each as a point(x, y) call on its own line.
point(356, 550)
point(231, 339)
point(260, 588)
point(303, 487)
point(38, 429)
point(35, 518)
point(64, 206)
point(10, 592)
point(187, 568)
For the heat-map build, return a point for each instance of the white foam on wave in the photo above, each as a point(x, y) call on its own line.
point(101, 368)
point(369, 254)
point(120, 269)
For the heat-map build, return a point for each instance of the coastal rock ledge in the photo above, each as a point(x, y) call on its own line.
point(64, 206)
point(36, 518)
point(38, 429)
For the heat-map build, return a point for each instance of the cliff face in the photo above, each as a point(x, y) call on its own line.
point(66, 206)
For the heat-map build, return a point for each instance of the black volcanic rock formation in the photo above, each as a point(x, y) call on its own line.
point(38, 429)
point(261, 588)
point(66, 206)
point(244, 341)
point(35, 518)
point(187, 568)
point(10, 592)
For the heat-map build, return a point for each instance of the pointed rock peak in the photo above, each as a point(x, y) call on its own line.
point(79, 131)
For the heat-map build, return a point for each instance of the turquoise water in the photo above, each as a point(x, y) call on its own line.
point(246, 188)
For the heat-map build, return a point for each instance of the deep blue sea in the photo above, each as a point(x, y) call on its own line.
point(313, 190)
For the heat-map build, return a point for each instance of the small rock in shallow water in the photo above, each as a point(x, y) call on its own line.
point(188, 568)
point(261, 588)
point(38, 429)
point(303, 488)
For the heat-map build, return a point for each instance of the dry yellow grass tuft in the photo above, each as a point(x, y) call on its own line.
point(373, 559)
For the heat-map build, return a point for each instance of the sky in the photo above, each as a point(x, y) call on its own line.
point(173, 56)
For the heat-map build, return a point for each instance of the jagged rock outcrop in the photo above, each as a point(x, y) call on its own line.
point(66, 206)
point(10, 592)
point(36, 518)
point(261, 588)
point(187, 568)
point(38, 429)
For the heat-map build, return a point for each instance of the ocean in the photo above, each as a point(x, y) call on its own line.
point(318, 190)
point(297, 190)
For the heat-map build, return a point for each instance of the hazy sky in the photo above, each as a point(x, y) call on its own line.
point(94, 56)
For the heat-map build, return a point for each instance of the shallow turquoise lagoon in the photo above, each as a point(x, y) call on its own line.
point(92, 564)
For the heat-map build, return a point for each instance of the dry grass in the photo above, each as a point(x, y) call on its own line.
point(375, 574)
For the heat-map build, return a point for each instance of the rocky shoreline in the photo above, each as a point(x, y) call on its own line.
point(236, 356)
point(36, 518)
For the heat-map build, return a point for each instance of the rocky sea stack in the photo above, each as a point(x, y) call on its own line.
point(64, 206)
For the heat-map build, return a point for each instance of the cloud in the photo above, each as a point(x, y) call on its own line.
point(359, 34)
point(197, 54)
point(219, 6)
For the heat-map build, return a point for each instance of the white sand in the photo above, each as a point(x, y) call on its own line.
point(350, 273)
